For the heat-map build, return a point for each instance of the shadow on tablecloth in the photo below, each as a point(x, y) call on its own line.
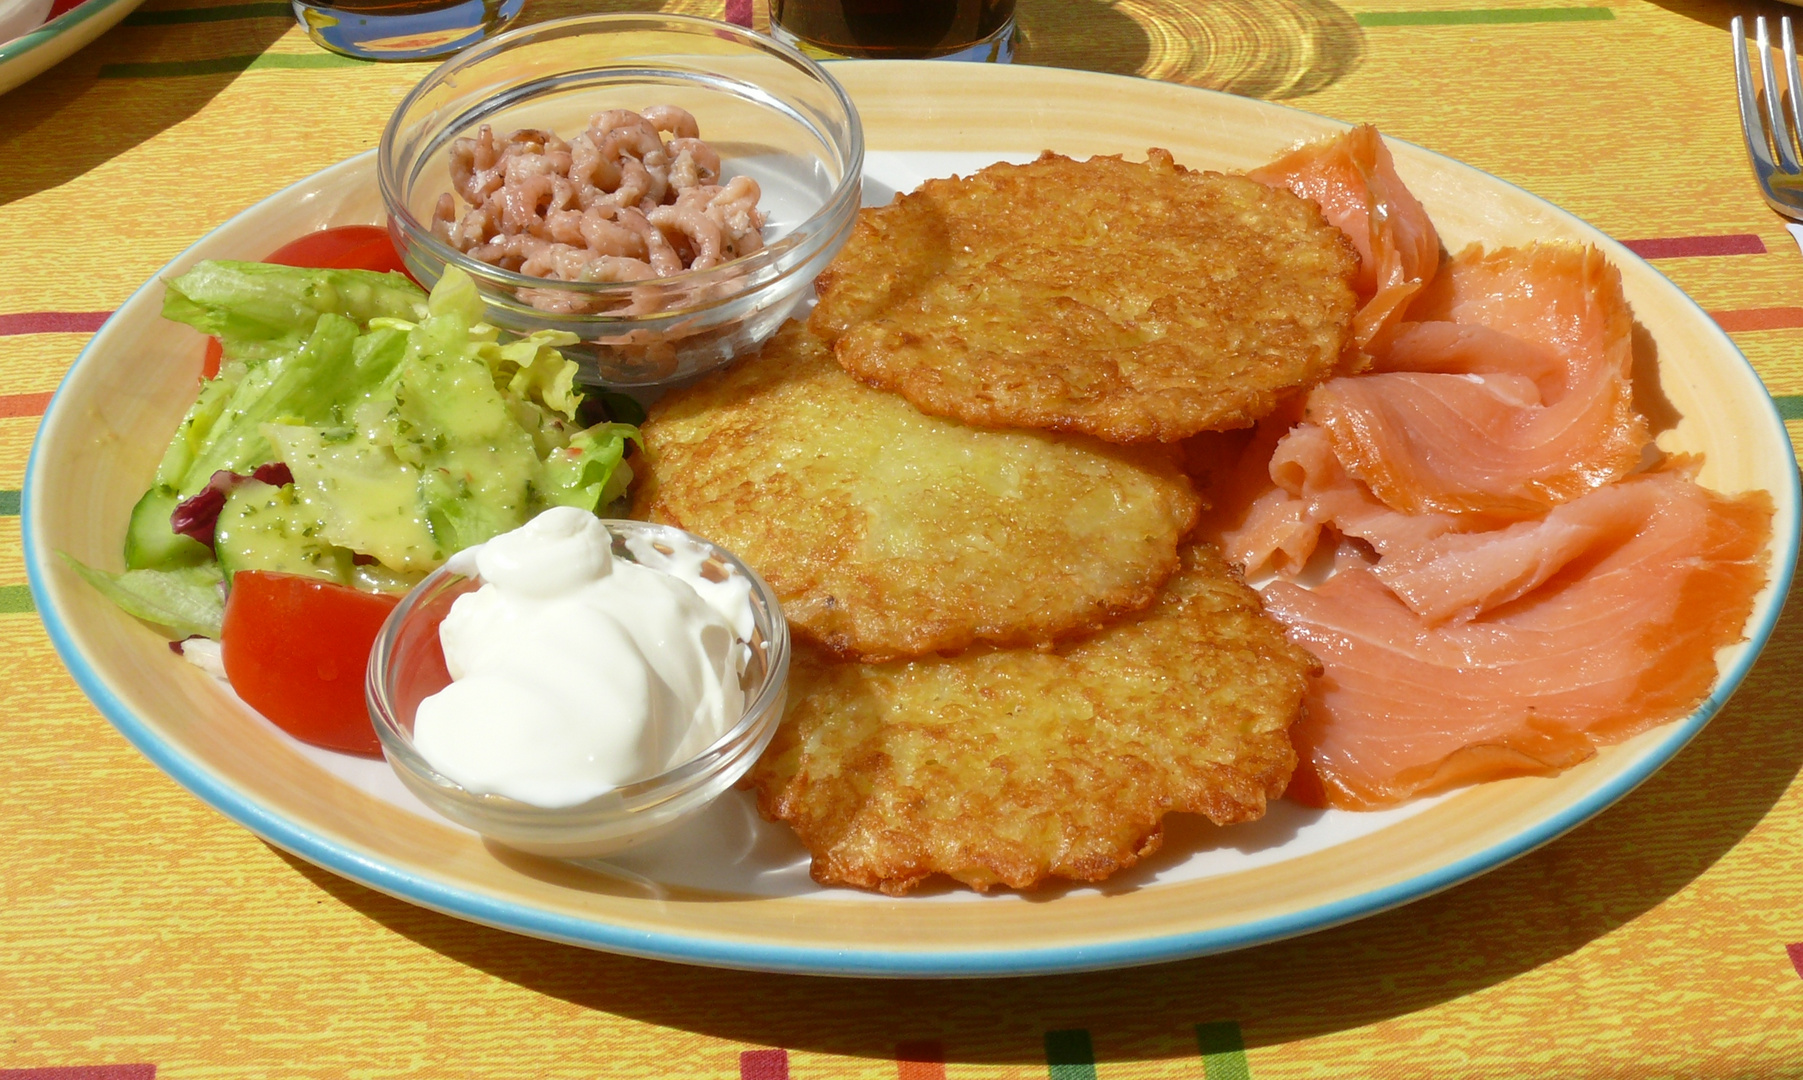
point(152, 76)
point(1518, 918)
point(1716, 13)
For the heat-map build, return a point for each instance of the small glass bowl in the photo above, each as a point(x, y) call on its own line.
point(407, 665)
point(770, 112)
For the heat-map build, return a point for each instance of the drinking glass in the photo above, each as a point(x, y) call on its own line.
point(402, 29)
point(981, 30)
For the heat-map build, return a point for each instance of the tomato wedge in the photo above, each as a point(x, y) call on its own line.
point(209, 361)
point(342, 247)
point(296, 649)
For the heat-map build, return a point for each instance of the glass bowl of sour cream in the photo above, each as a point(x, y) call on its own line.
point(580, 686)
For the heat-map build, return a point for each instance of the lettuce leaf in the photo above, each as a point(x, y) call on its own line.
point(258, 310)
point(306, 386)
point(592, 471)
point(359, 494)
point(188, 600)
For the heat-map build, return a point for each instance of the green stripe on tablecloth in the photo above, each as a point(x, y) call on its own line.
point(1069, 1055)
point(1790, 406)
point(1223, 1051)
point(222, 13)
point(9, 504)
point(225, 64)
point(1482, 15)
point(15, 599)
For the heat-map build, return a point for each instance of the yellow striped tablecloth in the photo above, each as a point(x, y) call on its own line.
point(143, 935)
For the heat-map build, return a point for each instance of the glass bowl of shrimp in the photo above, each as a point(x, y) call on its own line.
point(663, 187)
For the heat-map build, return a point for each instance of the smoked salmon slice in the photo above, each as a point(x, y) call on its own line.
point(1510, 397)
point(1353, 179)
point(1256, 524)
point(1462, 575)
point(1287, 485)
point(1304, 465)
point(1646, 580)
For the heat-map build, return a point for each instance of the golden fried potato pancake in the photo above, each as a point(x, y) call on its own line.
point(1131, 301)
point(1007, 767)
point(887, 533)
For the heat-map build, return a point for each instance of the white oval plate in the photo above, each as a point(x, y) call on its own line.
point(732, 890)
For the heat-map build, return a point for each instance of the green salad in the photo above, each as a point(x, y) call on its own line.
point(358, 431)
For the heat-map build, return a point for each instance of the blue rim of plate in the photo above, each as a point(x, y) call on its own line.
point(56, 27)
point(474, 906)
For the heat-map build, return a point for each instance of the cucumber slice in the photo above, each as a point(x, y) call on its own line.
point(150, 544)
point(262, 527)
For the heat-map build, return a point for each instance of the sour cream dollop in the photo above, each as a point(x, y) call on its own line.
point(575, 672)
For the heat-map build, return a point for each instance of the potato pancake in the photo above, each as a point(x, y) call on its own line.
point(1130, 301)
point(887, 533)
point(1008, 767)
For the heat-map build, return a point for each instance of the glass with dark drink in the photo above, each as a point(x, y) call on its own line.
point(897, 29)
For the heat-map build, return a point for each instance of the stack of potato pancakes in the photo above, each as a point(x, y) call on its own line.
point(964, 480)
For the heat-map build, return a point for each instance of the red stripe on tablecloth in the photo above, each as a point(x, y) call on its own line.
point(1796, 956)
point(920, 1061)
point(764, 1065)
point(82, 1072)
point(1764, 318)
point(1678, 247)
point(738, 11)
point(23, 405)
point(52, 322)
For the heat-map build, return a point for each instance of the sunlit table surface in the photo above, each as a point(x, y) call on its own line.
point(142, 934)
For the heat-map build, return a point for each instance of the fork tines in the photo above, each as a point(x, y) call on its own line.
point(1772, 136)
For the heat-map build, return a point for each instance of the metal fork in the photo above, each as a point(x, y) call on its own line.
point(1767, 129)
